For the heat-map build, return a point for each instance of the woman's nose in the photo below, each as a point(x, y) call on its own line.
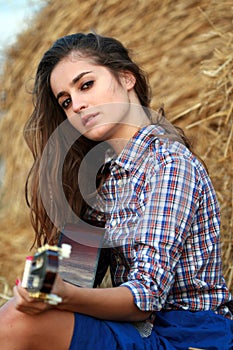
point(78, 104)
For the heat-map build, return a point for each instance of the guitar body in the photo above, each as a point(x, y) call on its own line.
point(79, 269)
point(41, 270)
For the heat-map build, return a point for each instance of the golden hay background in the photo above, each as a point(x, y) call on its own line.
point(186, 46)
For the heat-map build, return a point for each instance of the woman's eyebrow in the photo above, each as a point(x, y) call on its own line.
point(79, 76)
point(74, 81)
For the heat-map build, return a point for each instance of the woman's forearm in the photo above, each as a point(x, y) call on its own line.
point(104, 303)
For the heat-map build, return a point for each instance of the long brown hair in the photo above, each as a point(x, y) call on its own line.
point(48, 135)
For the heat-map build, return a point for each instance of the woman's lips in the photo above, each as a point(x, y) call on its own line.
point(87, 118)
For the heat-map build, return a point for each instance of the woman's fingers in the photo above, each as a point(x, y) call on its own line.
point(25, 303)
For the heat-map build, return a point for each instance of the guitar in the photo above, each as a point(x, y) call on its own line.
point(75, 258)
point(40, 272)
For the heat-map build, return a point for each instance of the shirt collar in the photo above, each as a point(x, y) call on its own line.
point(137, 145)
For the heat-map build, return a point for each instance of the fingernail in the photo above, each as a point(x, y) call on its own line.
point(17, 282)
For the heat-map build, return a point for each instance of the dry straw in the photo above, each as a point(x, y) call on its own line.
point(186, 48)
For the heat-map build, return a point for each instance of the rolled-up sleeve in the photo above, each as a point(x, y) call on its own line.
point(171, 202)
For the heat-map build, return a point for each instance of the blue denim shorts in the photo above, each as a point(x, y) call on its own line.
point(172, 330)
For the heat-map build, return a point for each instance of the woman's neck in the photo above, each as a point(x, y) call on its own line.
point(127, 130)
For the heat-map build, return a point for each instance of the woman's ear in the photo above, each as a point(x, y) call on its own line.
point(128, 80)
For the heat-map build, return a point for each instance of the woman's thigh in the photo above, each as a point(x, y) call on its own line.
point(51, 329)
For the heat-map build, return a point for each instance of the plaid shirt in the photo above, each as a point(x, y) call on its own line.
point(163, 226)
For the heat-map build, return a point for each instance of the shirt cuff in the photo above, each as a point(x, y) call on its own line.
point(143, 297)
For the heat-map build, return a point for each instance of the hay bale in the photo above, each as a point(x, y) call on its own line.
point(186, 48)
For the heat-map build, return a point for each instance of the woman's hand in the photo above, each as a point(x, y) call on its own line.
point(24, 303)
point(32, 306)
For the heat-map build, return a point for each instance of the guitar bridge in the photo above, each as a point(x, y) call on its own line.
point(40, 272)
point(51, 299)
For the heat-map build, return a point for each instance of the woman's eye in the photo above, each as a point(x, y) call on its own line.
point(87, 85)
point(65, 103)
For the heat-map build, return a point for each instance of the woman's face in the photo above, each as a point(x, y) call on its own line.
point(93, 100)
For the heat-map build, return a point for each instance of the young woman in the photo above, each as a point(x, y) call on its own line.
point(153, 195)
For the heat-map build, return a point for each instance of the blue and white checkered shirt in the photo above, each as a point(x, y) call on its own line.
point(163, 226)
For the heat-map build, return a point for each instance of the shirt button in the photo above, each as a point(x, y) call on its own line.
point(120, 182)
point(114, 222)
point(118, 260)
